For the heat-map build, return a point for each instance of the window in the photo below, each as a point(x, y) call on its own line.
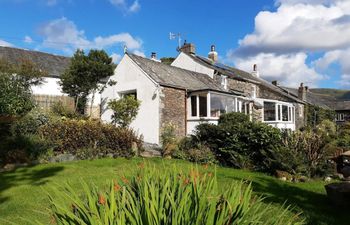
point(269, 111)
point(224, 81)
point(279, 112)
point(193, 105)
point(220, 104)
point(285, 113)
point(129, 93)
point(339, 117)
point(202, 106)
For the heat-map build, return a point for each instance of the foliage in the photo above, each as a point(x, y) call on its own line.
point(71, 135)
point(170, 197)
point(316, 114)
point(343, 140)
point(15, 98)
point(62, 110)
point(84, 74)
point(124, 110)
point(30, 123)
point(168, 139)
point(24, 148)
point(239, 142)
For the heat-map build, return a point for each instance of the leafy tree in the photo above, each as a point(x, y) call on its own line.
point(84, 75)
point(315, 115)
point(124, 110)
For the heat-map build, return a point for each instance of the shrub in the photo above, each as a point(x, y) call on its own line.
point(169, 140)
point(62, 110)
point(239, 142)
point(30, 123)
point(124, 110)
point(170, 197)
point(25, 148)
point(71, 135)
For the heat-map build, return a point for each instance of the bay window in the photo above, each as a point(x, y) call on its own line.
point(277, 112)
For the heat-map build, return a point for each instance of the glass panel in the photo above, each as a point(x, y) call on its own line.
point(220, 104)
point(269, 111)
point(285, 116)
point(193, 105)
point(279, 112)
point(203, 106)
point(133, 94)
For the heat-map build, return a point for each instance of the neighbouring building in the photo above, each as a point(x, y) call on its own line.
point(49, 91)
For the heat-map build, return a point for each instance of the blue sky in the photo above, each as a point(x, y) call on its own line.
point(288, 48)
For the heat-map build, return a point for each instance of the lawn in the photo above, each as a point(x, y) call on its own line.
point(22, 192)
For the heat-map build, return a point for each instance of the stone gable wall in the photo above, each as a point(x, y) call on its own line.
point(173, 109)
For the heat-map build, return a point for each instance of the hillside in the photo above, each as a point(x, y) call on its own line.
point(336, 93)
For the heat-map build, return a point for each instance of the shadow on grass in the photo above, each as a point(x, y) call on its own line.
point(315, 207)
point(25, 176)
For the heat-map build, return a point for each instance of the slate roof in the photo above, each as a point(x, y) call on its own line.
point(54, 65)
point(342, 106)
point(176, 77)
point(238, 74)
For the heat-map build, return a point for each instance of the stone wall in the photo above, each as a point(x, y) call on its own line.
point(299, 116)
point(242, 86)
point(173, 109)
point(270, 94)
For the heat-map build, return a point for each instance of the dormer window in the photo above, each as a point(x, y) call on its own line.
point(224, 81)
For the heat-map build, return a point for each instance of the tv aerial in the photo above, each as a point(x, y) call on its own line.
point(173, 36)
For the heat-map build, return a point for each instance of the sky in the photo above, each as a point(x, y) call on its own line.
point(291, 41)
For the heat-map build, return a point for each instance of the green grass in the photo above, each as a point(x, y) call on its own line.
point(22, 192)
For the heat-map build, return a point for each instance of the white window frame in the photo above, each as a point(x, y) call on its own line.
point(279, 113)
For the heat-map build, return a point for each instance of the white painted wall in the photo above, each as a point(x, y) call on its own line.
point(186, 62)
point(50, 86)
point(193, 123)
point(130, 77)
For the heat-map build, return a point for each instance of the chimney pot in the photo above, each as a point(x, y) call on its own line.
point(302, 92)
point(213, 55)
point(153, 55)
point(255, 67)
point(275, 82)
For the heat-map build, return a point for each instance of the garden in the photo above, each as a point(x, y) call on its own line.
point(237, 172)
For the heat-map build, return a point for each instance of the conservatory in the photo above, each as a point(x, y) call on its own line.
point(207, 106)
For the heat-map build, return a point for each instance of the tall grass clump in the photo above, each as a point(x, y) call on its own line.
point(169, 197)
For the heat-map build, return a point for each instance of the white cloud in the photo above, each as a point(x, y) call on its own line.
point(125, 6)
point(116, 57)
point(63, 34)
point(51, 2)
point(297, 28)
point(139, 53)
point(288, 69)
point(5, 43)
point(28, 39)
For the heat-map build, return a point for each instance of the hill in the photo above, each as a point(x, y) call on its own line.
point(336, 93)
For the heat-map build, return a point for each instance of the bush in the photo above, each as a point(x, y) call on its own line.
point(71, 135)
point(30, 123)
point(25, 148)
point(62, 110)
point(124, 110)
point(169, 197)
point(169, 140)
point(239, 142)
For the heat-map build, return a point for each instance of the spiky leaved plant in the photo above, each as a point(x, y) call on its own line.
point(169, 196)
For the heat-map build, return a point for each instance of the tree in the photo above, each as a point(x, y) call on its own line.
point(15, 90)
point(84, 75)
point(124, 110)
point(15, 86)
point(167, 60)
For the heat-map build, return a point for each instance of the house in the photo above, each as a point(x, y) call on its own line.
point(267, 103)
point(340, 107)
point(194, 90)
point(169, 95)
point(49, 91)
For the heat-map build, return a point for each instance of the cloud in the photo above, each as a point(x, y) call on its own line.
point(5, 43)
point(28, 39)
point(116, 57)
point(51, 2)
point(125, 7)
point(296, 29)
point(63, 34)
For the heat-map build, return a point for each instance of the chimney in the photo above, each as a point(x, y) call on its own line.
point(213, 55)
point(275, 82)
point(188, 48)
point(255, 71)
point(302, 92)
point(153, 55)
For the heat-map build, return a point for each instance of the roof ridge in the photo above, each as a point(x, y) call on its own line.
point(35, 51)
